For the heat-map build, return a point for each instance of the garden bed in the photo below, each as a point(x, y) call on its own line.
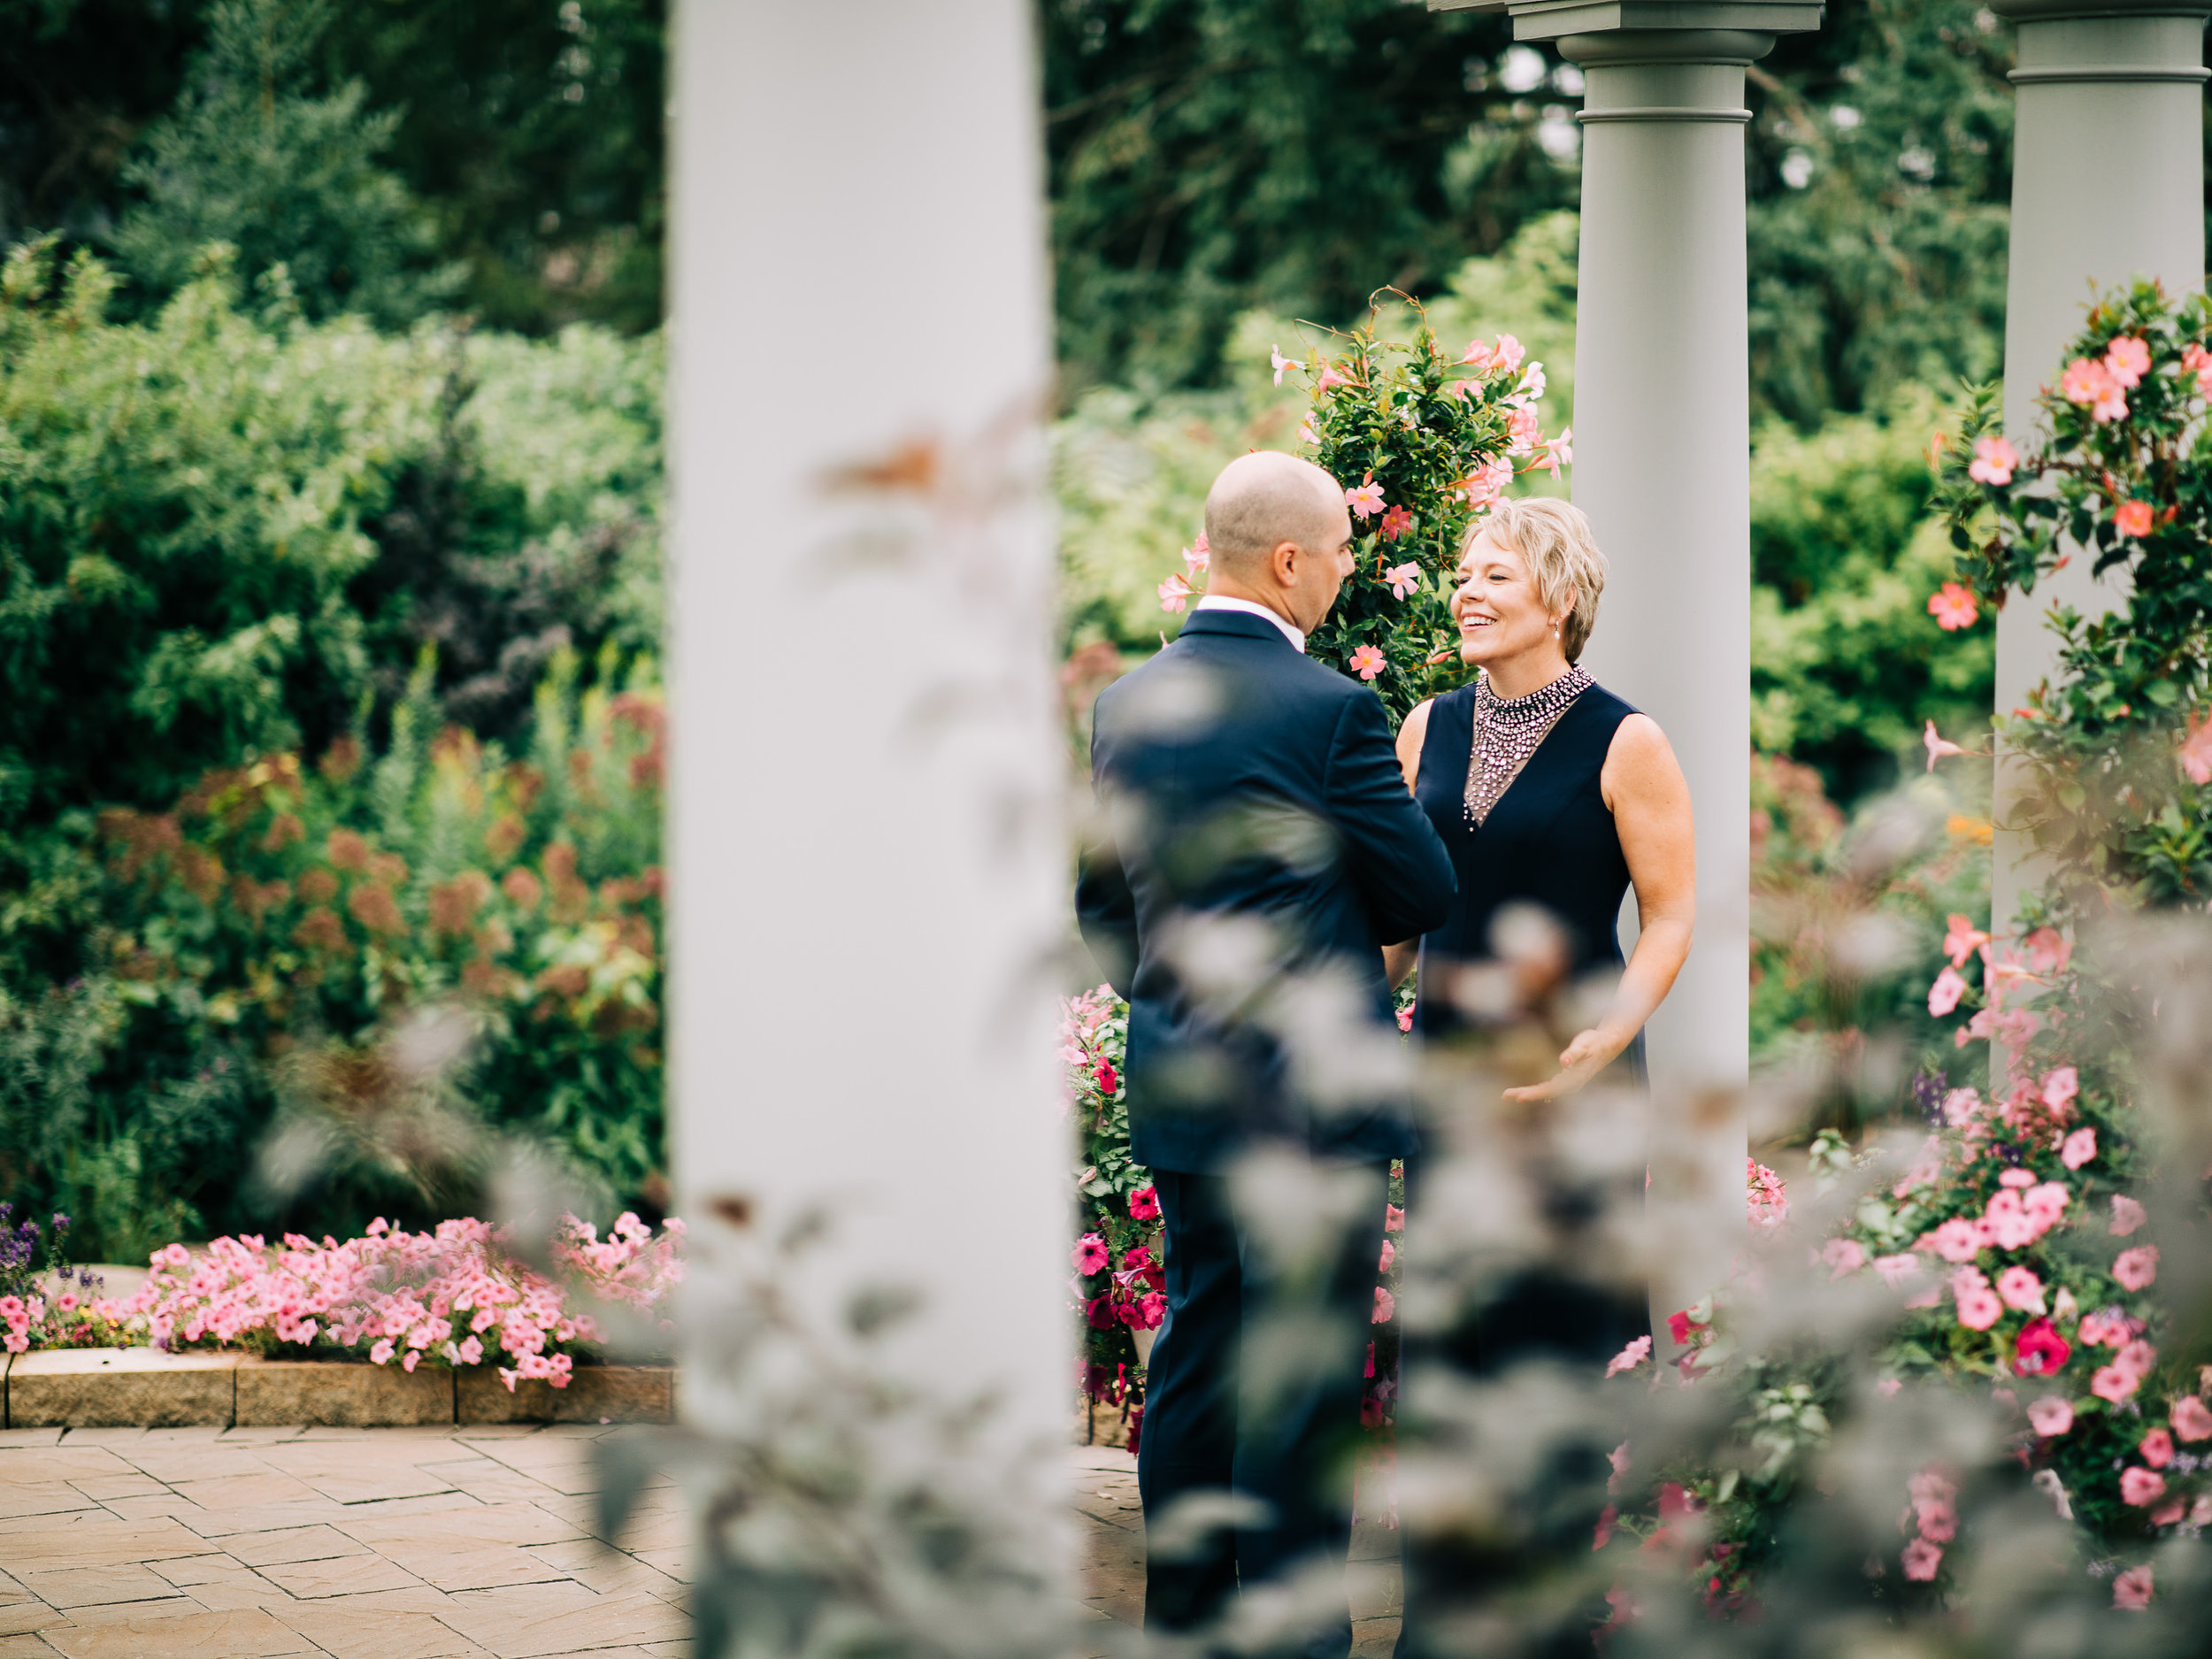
point(145, 1387)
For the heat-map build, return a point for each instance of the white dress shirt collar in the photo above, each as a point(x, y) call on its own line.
point(1222, 602)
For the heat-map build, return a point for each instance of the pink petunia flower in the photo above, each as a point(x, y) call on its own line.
point(1144, 1203)
point(1366, 662)
point(1957, 1239)
point(1393, 1218)
point(1938, 748)
point(2137, 1269)
point(2191, 1418)
point(2140, 1486)
point(1922, 1559)
point(1979, 1307)
point(2078, 1149)
point(2114, 1383)
point(1364, 498)
point(2128, 360)
point(1151, 1309)
point(2127, 1215)
point(2195, 754)
point(1993, 461)
point(1385, 1305)
point(1896, 1270)
point(1842, 1256)
point(2134, 519)
point(1090, 1255)
point(1403, 578)
point(2157, 1448)
point(1943, 995)
point(2051, 1416)
point(1954, 607)
point(1395, 523)
point(1630, 1357)
point(2022, 1289)
point(1389, 1254)
point(2060, 1086)
point(2132, 1590)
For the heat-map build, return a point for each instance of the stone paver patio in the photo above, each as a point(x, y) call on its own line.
point(437, 1543)
point(213, 1543)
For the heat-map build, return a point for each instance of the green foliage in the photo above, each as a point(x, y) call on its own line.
point(265, 952)
point(250, 158)
point(2118, 777)
point(1214, 156)
point(1847, 664)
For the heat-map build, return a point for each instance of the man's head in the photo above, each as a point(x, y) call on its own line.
point(1279, 536)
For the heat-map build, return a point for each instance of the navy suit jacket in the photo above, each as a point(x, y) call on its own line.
point(1262, 848)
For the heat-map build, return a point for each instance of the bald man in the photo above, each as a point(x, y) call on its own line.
point(1261, 850)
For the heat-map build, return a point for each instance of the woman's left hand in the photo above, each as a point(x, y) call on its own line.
point(1581, 1059)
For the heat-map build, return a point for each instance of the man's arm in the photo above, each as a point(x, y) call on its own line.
point(1105, 907)
point(1391, 851)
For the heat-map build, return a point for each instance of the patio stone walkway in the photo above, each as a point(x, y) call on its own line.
point(355, 1543)
point(440, 1543)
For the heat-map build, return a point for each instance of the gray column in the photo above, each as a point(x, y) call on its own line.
point(1662, 466)
point(2108, 184)
point(868, 869)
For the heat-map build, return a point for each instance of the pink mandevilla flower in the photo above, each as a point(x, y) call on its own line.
point(1366, 662)
point(1403, 578)
point(1943, 995)
point(2133, 518)
point(1954, 607)
point(1395, 524)
point(1993, 461)
point(1939, 746)
point(1173, 592)
point(1961, 940)
point(1279, 362)
point(2128, 360)
point(1364, 498)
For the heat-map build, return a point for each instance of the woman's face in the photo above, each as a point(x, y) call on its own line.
point(1496, 605)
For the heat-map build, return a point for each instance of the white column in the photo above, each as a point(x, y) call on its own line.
point(2108, 131)
point(1663, 467)
point(868, 873)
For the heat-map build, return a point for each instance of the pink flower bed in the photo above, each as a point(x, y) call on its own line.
point(453, 1297)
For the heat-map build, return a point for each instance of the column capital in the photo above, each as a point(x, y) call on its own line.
point(2065, 11)
point(1742, 19)
point(2086, 41)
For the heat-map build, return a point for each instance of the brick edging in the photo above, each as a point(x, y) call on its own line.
point(138, 1387)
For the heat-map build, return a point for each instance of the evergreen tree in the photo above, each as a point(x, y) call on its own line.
point(252, 156)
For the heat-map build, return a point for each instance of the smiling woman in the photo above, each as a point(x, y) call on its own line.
point(1549, 791)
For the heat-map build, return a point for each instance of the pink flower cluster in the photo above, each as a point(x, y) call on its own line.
point(18, 1313)
point(2007, 970)
point(2103, 384)
point(1934, 1512)
point(1767, 1199)
point(454, 1294)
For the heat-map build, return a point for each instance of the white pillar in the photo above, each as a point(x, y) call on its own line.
point(868, 873)
point(2109, 129)
point(1663, 467)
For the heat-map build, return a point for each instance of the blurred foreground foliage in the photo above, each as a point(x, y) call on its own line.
point(234, 540)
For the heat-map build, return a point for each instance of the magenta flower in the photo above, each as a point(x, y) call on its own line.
point(2132, 1590)
point(1405, 1018)
point(2078, 1149)
point(1403, 578)
point(2128, 360)
point(1993, 461)
point(1364, 498)
point(1922, 1559)
point(2140, 1486)
point(1090, 1253)
point(1366, 662)
point(1144, 1203)
point(2137, 1269)
point(2051, 1416)
point(1151, 1309)
point(1954, 607)
point(1395, 523)
point(2133, 518)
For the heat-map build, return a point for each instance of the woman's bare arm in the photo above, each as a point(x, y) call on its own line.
point(1398, 960)
point(1650, 801)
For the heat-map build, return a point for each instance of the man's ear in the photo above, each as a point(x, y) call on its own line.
point(1282, 563)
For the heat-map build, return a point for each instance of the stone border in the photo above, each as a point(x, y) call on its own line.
point(144, 1387)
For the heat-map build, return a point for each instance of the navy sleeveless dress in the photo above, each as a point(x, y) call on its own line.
point(1550, 840)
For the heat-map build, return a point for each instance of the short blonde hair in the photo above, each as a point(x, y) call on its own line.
point(1554, 538)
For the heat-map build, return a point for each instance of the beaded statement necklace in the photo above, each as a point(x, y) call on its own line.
point(1508, 731)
